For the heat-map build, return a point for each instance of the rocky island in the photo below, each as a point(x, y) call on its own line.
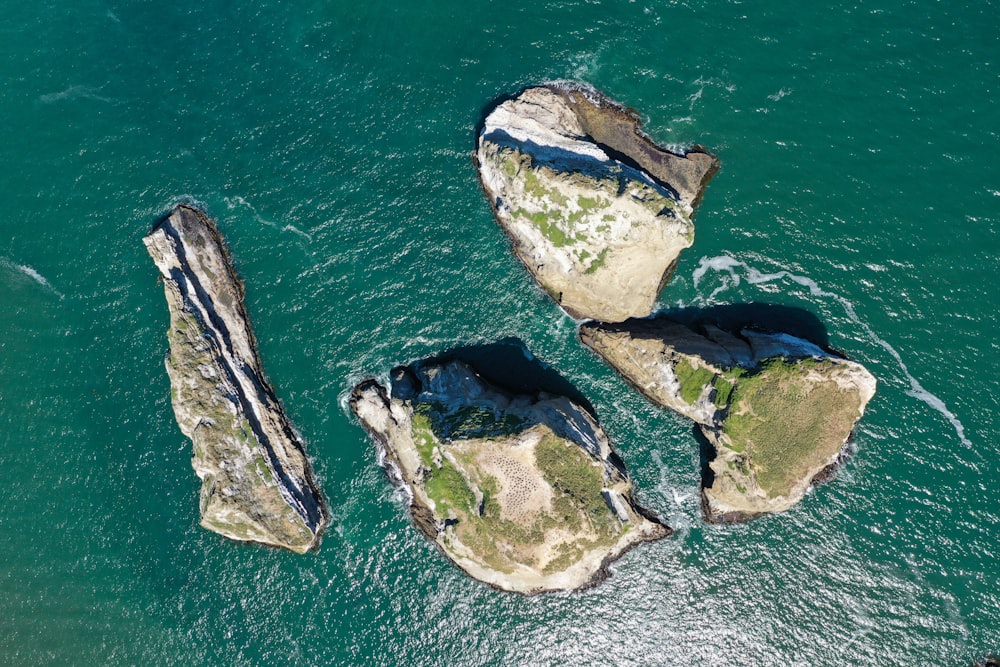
point(595, 210)
point(777, 409)
point(521, 491)
point(257, 483)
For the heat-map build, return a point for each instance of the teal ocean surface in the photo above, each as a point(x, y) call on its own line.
point(332, 142)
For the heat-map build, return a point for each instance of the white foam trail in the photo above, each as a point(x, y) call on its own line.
point(784, 92)
point(233, 202)
point(74, 93)
point(859, 634)
point(34, 275)
point(295, 230)
point(725, 263)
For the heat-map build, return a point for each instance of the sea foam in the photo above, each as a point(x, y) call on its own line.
point(33, 274)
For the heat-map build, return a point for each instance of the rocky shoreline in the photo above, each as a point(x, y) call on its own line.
point(257, 484)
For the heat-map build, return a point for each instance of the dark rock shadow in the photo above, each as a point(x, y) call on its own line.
point(715, 333)
point(765, 317)
point(510, 365)
point(706, 454)
point(490, 108)
point(619, 166)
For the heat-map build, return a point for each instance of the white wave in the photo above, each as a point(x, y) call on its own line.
point(753, 276)
point(74, 93)
point(784, 92)
point(669, 492)
point(31, 273)
point(865, 629)
point(694, 97)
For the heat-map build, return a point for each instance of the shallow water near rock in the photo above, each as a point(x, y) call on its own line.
point(332, 142)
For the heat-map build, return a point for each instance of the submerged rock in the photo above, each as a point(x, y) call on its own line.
point(257, 484)
point(522, 492)
point(596, 211)
point(778, 409)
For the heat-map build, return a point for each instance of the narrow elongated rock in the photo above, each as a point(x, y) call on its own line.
point(522, 492)
point(596, 211)
point(257, 484)
point(778, 409)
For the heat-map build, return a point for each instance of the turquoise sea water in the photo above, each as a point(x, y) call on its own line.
point(332, 142)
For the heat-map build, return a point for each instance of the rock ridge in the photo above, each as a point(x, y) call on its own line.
point(257, 484)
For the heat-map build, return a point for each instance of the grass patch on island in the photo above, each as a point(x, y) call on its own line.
point(432, 422)
point(787, 423)
point(423, 437)
point(577, 482)
point(598, 262)
point(447, 487)
point(466, 492)
point(692, 380)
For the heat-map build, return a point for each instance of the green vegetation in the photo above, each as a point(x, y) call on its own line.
point(237, 530)
point(549, 229)
point(723, 390)
point(692, 379)
point(588, 203)
point(787, 424)
point(534, 188)
point(423, 437)
point(263, 470)
point(508, 165)
point(553, 223)
point(597, 263)
point(653, 201)
point(432, 422)
point(569, 553)
point(572, 473)
point(448, 489)
point(461, 489)
point(724, 385)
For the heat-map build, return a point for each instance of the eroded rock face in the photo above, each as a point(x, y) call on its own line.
point(596, 211)
point(778, 409)
point(257, 484)
point(522, 492)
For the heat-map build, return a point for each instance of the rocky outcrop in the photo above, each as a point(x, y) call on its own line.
point(777, 409)
point(596, 211)
point(522, 492)
point(257, 484)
